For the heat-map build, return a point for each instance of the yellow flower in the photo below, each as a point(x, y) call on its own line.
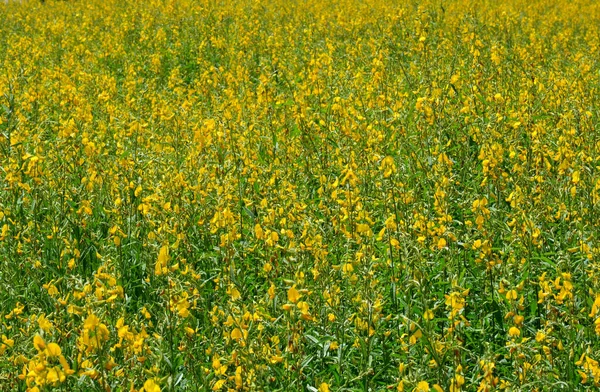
point(293, 295)
point(151, 386)
point(428, 315)
point(161, 262)
point(8, 342)
point(518, 319)
point(52, 376)
point(91, 322)
point(422, 386)
point(218, 385)
point(441, 243)
point(514, 331)
point(39, 343)
point(53, 350)
point(303, 307)
point(271, 291)
point(44, 323)
point(236, 334)
point(511, 295)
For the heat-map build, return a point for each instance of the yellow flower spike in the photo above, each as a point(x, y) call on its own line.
point(239, 382)
point(259, 232)
point(160, 267)
point(459, 379)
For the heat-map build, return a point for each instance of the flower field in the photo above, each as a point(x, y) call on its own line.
point(300, 195)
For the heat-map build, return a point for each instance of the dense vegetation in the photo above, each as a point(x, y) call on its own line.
point(299, 195)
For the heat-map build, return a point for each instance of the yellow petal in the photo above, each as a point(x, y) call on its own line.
point(53, 350)
point(441, 243)
point(39, 343)
point(218, 385)
point(91, 322)
point(151, 386)
point(236, 334)
point(293, 295)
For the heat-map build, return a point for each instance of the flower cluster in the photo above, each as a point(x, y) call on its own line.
point(299, 195)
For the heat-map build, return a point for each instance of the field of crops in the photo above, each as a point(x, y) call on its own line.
point(299, 195)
